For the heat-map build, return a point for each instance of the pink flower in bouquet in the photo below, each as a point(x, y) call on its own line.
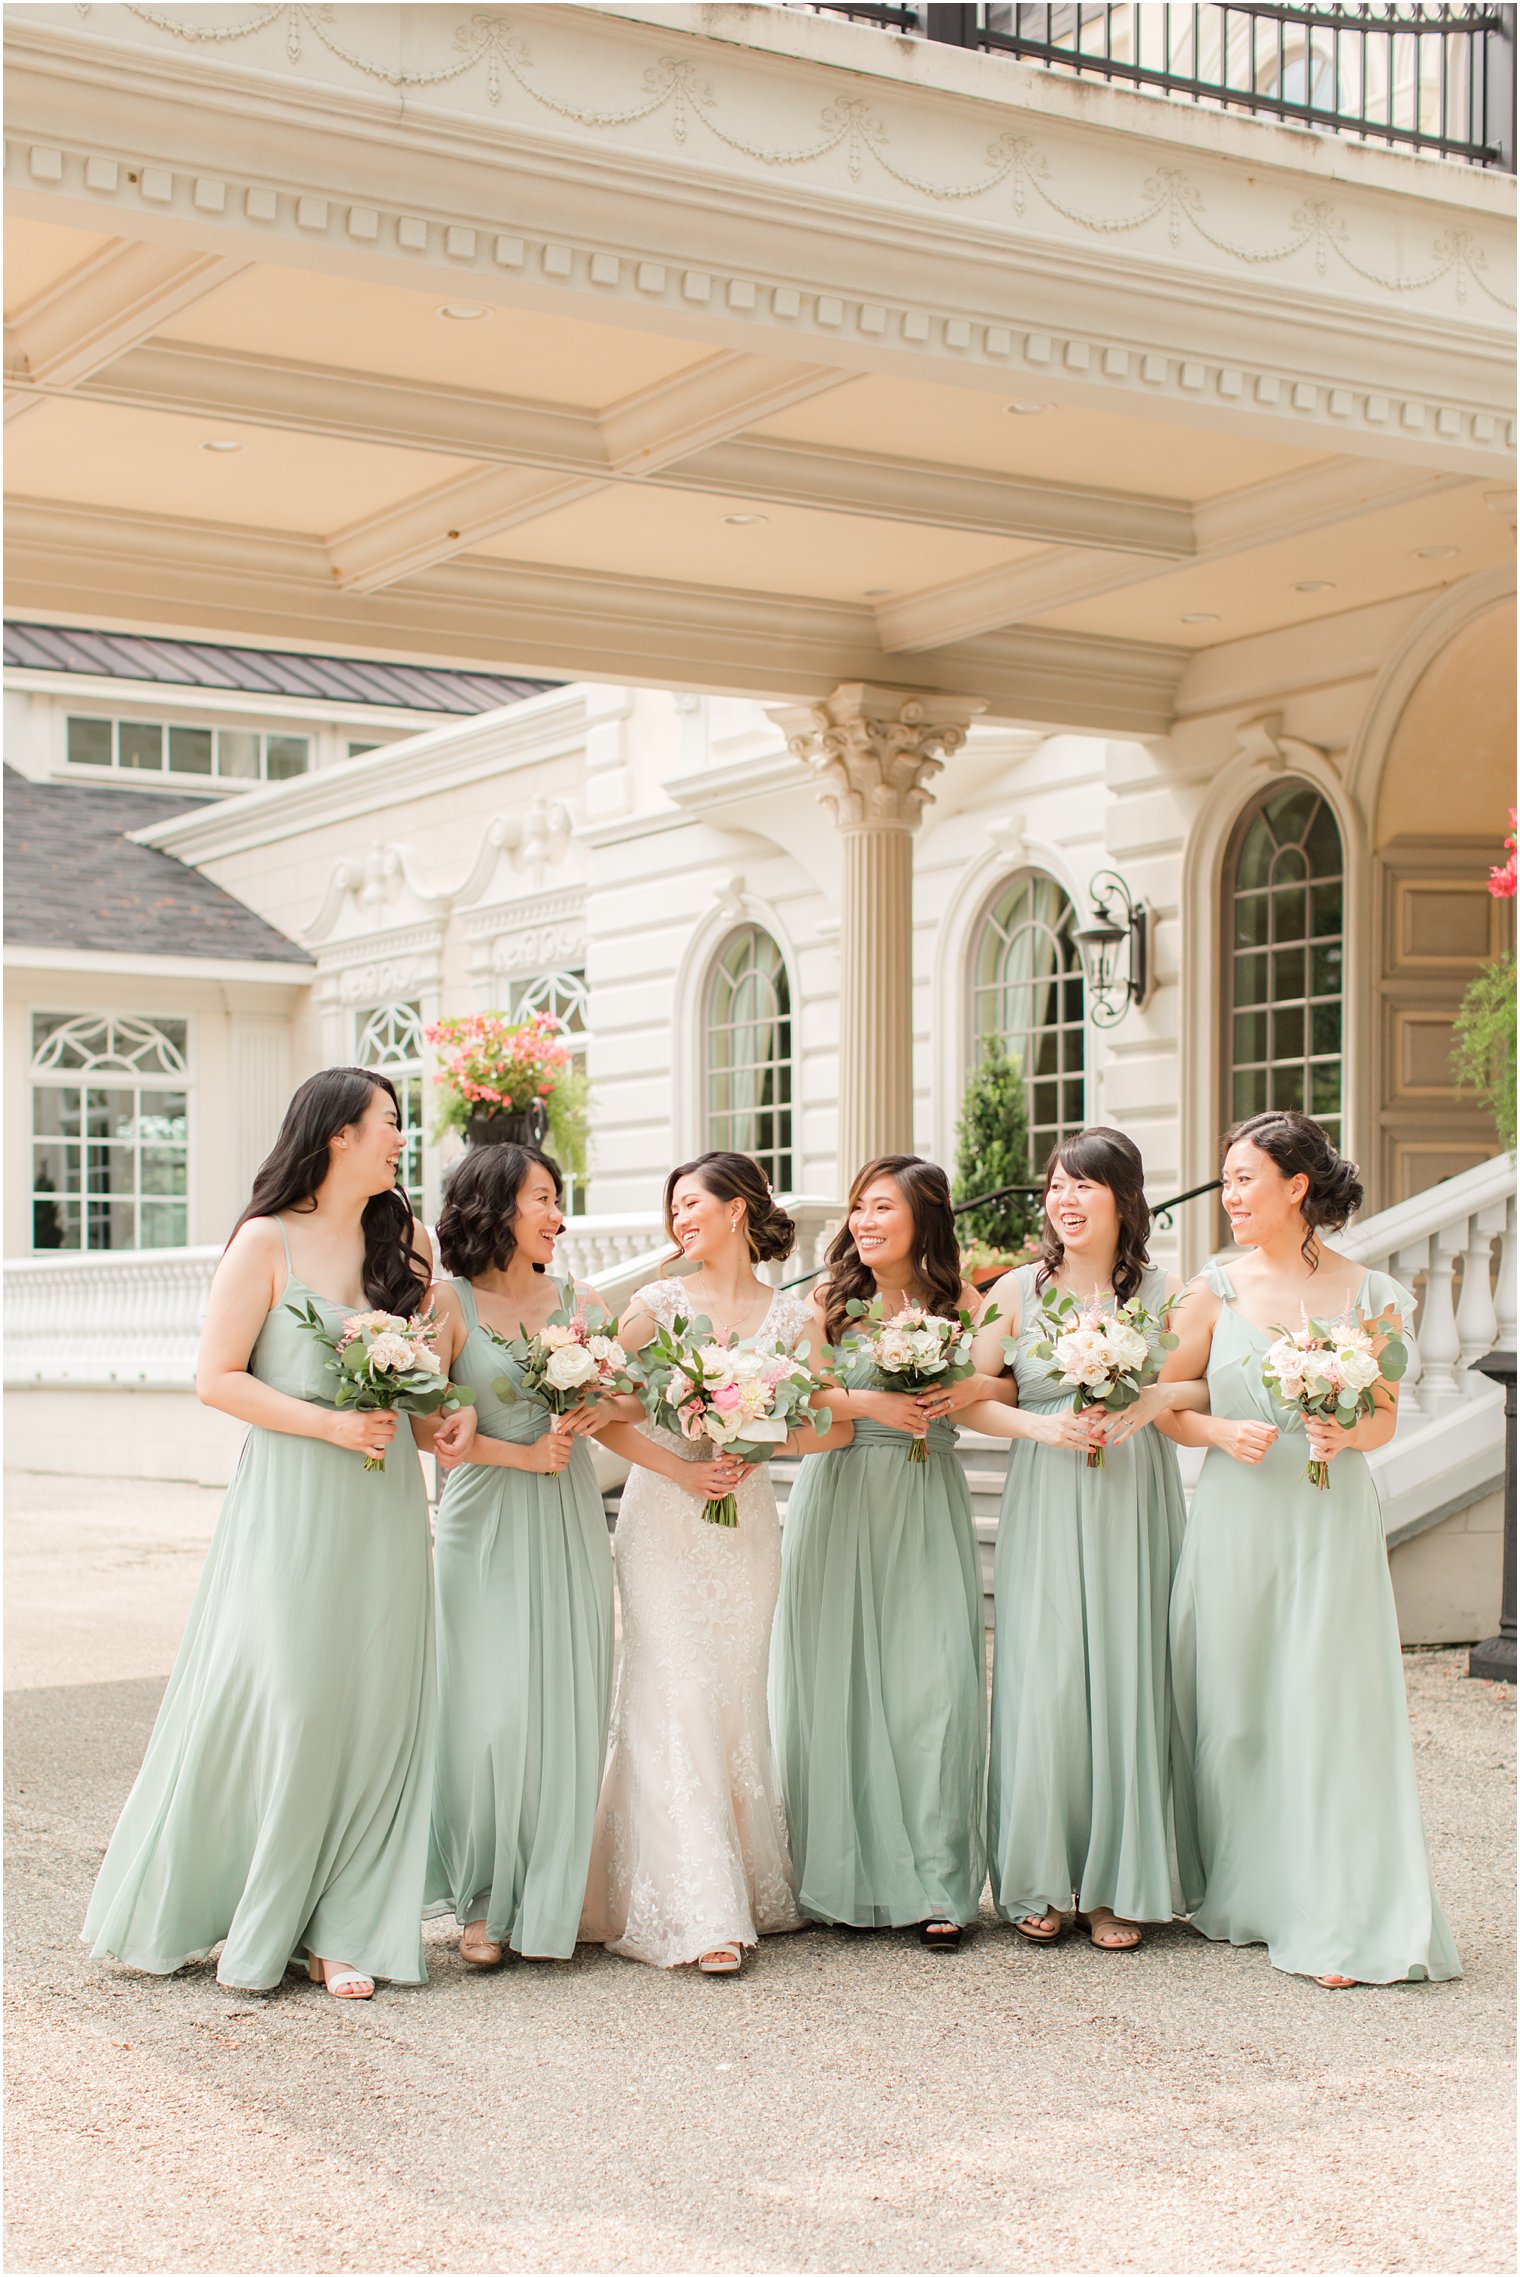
point(728, 1399)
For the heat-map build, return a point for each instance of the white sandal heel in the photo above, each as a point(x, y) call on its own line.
point(343, 1984)
point(722, 1961)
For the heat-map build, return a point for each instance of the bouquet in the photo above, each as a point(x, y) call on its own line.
point(383, 1360)
point(572, 1361)
point(1329, 1369)
point(734, 1396)
point(914, 1349)
point(1108, 1354)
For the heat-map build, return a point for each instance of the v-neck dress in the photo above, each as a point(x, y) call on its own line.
point(1079, 1788)
point(524, 1567)
point(282, 1805)
point(878, 1680)
point(1297, 1807)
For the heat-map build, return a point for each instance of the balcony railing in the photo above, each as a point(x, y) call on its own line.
point(1436, 79)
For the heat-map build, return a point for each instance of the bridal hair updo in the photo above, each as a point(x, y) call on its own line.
point(771, 1234)
point(393, 1276)
point(1103, 1157)
point(936, 1261)
point(476, 1230)
point(1300, 1149)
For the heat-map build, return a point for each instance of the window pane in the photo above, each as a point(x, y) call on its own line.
point(163, 1171)
point(161, 1118)
point(1251, 979)
point(1325, 970)
point(1287, 1088)
point(1250, 1037)
point(111, 1114)
point(55, 1225)
point(1322, 843)
point(1290, 913)
point(140, 743)
point(1291, 839)
point(110, 1225)
point(55, 1167)
point(1325, 1089)
point(1255, 863)
point(357, 750)
point(190, 750)
point(1250, 1095)
point(237, 754)
point(284, 756)
point(1029, 993)
point(55, 1111)
point(1288, 1032)
point(1287, 974)
point(163, 1225)
point(1325, 908)
point(1325, 1029)
point(1250, 920)
point(90, 742)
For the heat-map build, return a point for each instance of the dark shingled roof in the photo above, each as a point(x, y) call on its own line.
point(74, 880)
point(262, 671)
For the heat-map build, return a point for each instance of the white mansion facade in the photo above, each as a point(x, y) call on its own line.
point(751, 532)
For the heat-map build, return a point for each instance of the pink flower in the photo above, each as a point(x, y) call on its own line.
point(728, 1399)
point(1502, 882)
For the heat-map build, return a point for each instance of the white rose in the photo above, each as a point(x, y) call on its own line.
point(1127, 1345)
point(424, 1357)
point(1357, 1368)
point(571, 1365)
point(392, 1355)
point(1317, 1370)
point(893, 1351)
point(721, 1428)
point(606, 1350)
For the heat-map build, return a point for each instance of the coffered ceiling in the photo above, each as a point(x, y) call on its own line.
point(226, 414)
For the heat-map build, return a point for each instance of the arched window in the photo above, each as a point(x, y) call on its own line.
point(749, 1053)
point(565, 997)
point(1284, 925)
point(390, 1040)
point(110, 1131)
point(1028, 990)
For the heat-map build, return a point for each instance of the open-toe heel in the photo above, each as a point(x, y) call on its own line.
point(1042, 1928)
point(722, 1961)
point(940, 1936)
point(343, 1984)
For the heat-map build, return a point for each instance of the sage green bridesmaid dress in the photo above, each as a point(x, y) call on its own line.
point(1298, 1816)
point(1079, 1791)
point(282, 1806)
point(878, 1699)
point(524, 1569)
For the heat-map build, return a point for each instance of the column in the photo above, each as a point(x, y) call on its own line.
point(874, 751)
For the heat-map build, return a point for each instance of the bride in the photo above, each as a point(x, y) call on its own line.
point(690, 1859)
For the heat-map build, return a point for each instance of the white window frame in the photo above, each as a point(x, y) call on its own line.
point(374, 1048)
point(1042, 1134)
point(127, 1036)
point(780, 1160)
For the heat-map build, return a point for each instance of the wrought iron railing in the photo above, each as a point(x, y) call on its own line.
point(1439, 79)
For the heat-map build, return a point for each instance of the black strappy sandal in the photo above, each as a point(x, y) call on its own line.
point(940, 1936)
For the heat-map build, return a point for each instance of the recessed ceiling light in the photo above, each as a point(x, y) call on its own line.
point(461, 315)
point(1201, 617)
point(744, 521)
point(1436, 553)
point(1314, 585)
point(1024, 409)
point(221, 444)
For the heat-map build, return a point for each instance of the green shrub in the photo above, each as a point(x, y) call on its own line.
point(993, 1151)
point(1484, 1057)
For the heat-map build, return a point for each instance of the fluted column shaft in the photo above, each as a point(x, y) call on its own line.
point(874, 751)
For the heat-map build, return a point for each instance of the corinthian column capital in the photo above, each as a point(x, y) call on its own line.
point(875, 750)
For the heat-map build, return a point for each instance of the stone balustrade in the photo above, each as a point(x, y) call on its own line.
point(1454, 1244)
point(130, 1317)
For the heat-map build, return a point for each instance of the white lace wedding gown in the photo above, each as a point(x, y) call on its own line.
point(691, 1850)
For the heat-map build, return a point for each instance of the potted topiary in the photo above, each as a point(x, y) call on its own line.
point(993, 1152)
point(504, 1081)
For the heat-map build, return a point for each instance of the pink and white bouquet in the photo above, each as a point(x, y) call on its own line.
point(382, 1359)
point(914, 1349)
point(572, 1361)
point(1331, 1368)
point(740, 1397)
point(1106, 1353)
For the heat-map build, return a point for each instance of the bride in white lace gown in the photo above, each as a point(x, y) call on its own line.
point(690, 1859)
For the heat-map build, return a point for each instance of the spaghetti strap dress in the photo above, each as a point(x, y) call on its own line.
point(524, 1568)
point(282, 1805)
point(1297, 1808)
point(1079, 1790)
point(878, 1681)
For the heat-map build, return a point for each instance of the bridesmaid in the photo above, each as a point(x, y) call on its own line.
point(524, 1568)
point(1079, 1801)
point(1296, 1798)
point(282, 1804)
point(877, 1674)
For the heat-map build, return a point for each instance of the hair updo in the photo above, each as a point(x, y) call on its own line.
point(1300, 1149)
point(736, 1178)
point(476, 1233)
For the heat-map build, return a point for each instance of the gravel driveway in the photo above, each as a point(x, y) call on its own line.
point(849, 2104)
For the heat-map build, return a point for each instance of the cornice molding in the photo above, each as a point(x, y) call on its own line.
point(83, 565)
point(1159, 299)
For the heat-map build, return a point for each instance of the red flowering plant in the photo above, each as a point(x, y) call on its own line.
point(489, 1064)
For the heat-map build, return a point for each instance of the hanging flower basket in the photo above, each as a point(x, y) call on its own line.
point(502, 1081)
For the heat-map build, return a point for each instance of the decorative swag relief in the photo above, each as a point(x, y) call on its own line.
point(1011, 176)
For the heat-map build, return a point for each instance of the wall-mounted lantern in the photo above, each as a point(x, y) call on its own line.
point(1115, 950)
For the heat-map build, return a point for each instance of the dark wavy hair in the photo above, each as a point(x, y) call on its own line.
point(1105, 1158)
point(394, 1277)
point(1301, 1149)
point(475, 1229)
point(936, 1260)
point(736, 1178)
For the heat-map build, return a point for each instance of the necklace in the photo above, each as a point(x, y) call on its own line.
point(730, 1330)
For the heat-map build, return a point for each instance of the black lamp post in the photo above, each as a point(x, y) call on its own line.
point(1115, 949)
point(1495, 1656)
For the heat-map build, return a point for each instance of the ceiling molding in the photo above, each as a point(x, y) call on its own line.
point(1289, 505)
point(445, 521)
point(80, 566)
point(170, 376)
point(118, 297)
point(703, 405)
